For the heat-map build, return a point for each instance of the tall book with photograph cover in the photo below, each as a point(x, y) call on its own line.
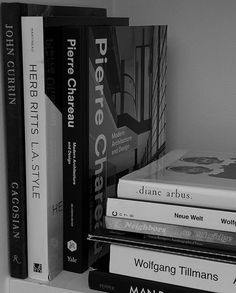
point(185, 177)
point(114, 122)
point(14, 114)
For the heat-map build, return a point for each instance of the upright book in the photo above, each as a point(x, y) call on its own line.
point(13, 85)
point(110, 122)
point(204, 179)
point(41, 37)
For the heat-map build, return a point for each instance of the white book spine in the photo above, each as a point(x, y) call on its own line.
point(41, 136)
point(176, 194)
point(203, 274)
point(172, 214)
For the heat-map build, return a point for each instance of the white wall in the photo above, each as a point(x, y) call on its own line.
point(201, 68)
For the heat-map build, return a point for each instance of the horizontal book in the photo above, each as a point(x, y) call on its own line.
point(183, 246)
point(175, 269)
point(185, 177)
point(114, 283)
point(172, 214)
point(13, 92)
point(107, 75)
point(203, 237)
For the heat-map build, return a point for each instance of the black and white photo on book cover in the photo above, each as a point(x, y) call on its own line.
point(204, 165)
point(127, 106)
point(134, 92)
point(198, 178)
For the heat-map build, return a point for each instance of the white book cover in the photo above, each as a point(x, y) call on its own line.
point(203, 178)
point(172, 214)
point(183, 270)
point(43, 143)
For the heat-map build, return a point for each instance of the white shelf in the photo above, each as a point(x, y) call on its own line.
point(65, 282)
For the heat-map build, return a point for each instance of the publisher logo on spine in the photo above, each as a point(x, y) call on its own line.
point(114, 213)
point(71, 245)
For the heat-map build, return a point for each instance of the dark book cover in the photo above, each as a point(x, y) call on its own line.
point(178, 246)
point(115, 283)
point(113, 121)
point(14, 113)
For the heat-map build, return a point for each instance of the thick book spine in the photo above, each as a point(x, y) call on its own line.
point(43, 139)
point(13, 91)
point(180, 270)
point(176, 194)
point(172, 214)
point(183, 234)
point(114, 283)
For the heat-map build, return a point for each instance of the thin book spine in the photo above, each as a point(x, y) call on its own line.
point(74, 151)
point(114, 283)
point(35, 140)
point(13, 91)
point(43, 141)
point(220, 220)
point(181, 270)
point(176, 233)
point(176, 194)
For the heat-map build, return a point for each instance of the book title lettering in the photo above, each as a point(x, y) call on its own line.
point(100, 145)
point(175, 270)
point(120, 142)
point(10, 64)
point(143, 290)
point(156, 192)
point(15, 210)
point(71, 82)
point(34, 123)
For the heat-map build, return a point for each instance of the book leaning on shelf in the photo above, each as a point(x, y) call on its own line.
point(13, 85)
point(107, 105)
point(202, 179)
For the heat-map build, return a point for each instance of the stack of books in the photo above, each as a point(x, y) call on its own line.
point(85, 104)
point(173, 222)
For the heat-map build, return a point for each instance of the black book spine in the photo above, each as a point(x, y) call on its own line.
point(114, 283)
point(76, 213)
point(13, 91)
